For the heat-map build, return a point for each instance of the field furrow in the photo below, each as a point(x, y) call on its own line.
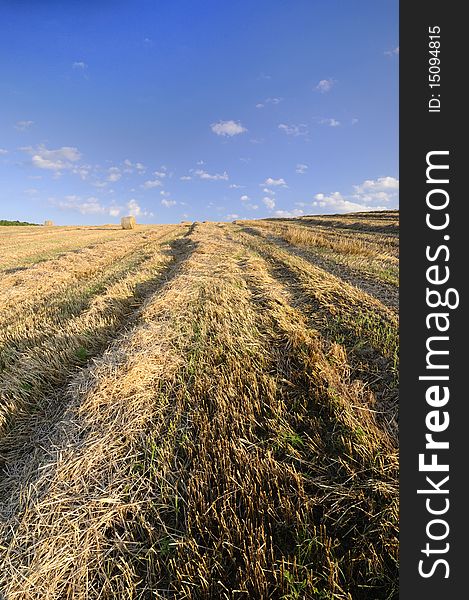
point(39, 353)
point(233, 437)
point(345, 315)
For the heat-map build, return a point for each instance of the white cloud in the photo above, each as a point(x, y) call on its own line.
point(380, 184)
point(330, 122)
point(168, 203)
point(274, 100)
point(135, 209)
point(301, 168)
point(382, 190)
point(164, 194)
point(185, 178)
point(80, 65)
point(393, 52)
point(54, 160)
point(114, 174)
point(216, 177)
point(130, 167)
point(280, 181)
point(294, 130)
point(148, 42)
point(82, 171)
point(235, 186)
point(354, 121)
point(232, 217)
point(31, 191)
point(244, 198)
point(269, 191)
point(372, 194)
point(325, 85)
point(285, 214)
point(3, 151)
point(251, 206)
point(151, 183)
point(85, 206)
point(23, 125)
point(228, 128)
point(336, 203)
point(269, 202)
point(114, 211)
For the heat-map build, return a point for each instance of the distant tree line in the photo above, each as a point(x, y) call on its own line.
point(6, 222)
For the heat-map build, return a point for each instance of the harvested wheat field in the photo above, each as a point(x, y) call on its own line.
point(200, 410)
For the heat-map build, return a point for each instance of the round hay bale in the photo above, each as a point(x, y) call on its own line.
point(128, 222)
point(48, 223)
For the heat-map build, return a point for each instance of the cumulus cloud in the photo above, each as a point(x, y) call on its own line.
point(269, 202)
point(232, 217)
point(251, 206)
point(236, 186)
point(294, 130)
point(336, 203)
point(79, 65)
point(130, 167)
point(215, 177)
point(275, 182)
point(228, 128)
point(274, 100)
point(54, 160)
point(151, 183)
point(3, 151)
point(185, 178)
point(372, 194)
point(23, 125)
point(285, 214)
point(301, 168)
point(330, 122)
point(85, 206)
point(82, 171)
point(114, 174)
point(383, 190)
point(244, 198)
point(134, 208)
point(325, 85)
point(168, 203)
point(380, 184)
point(393, 52)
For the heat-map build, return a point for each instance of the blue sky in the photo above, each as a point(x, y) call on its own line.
point(213, 110)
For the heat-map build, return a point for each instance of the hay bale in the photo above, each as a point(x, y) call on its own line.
point(48, 223)
point(128, 222)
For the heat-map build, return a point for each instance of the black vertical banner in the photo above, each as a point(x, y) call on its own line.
point(434, 329)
